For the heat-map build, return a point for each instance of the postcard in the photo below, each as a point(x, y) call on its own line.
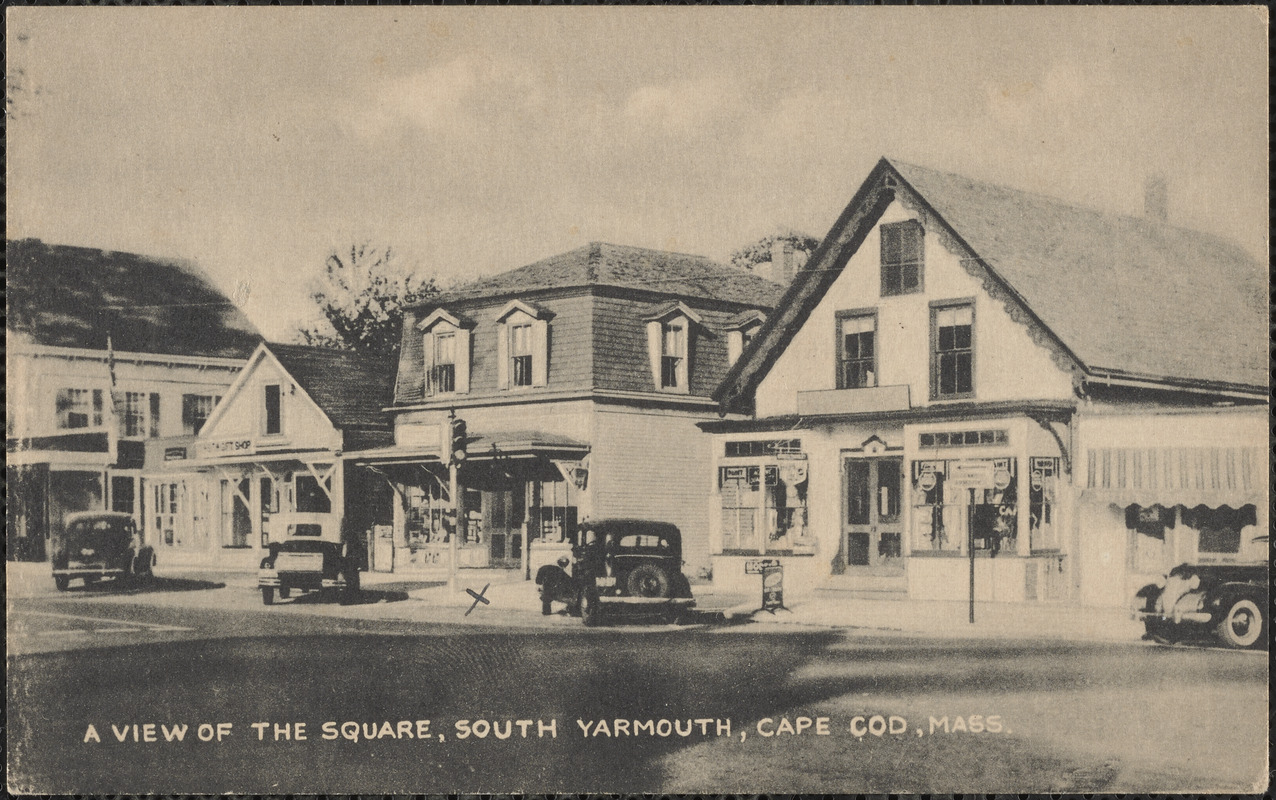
point(637, 400)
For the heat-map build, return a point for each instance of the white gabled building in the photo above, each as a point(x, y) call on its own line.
point(1077, 399)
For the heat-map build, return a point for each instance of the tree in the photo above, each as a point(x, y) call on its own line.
point(759, 252)
point(362, 295)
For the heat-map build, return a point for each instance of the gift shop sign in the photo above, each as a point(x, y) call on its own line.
point(225, 447)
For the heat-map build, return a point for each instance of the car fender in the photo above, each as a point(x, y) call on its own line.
point(1220, 598)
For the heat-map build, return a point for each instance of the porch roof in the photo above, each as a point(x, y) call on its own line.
point(1056, 410)
point(484, 447)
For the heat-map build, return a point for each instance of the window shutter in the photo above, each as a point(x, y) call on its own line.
point(689, 342)
point(428, 362)
point(540, 352)
point(653, 350)
point(462, 360)
point(155, 416)
point(503, 356)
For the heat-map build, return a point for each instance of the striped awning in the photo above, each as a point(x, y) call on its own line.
point(1186, 476)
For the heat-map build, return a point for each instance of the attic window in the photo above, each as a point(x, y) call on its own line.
point(902, 258)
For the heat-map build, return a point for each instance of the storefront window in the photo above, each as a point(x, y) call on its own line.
point(764, 507)
point(1043, 532)
point(946, 515)
point(79, 408)
point(555, 517)
point(426, 515)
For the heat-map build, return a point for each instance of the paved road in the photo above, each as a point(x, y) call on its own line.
point(1073, 718)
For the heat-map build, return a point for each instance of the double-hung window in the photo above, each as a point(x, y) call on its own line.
point(902, 257)
point(444, 362)
point(521, 355)
point(140, 415)
point(196, 409)
point(952, 351)
point(857, 345)
point(78, 408)
point(673, 355)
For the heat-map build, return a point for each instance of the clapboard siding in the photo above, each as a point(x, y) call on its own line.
point(620, 346)
point(654, 466)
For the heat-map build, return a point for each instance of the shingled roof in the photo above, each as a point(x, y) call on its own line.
point(66, 296)
point(602, 264)
point(1123, 295)
point(351, 388)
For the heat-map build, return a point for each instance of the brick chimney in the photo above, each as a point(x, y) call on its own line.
point(781, 262)
point(1156, 198)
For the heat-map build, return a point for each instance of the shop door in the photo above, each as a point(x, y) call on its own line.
point(872, 524)
point(503, 516)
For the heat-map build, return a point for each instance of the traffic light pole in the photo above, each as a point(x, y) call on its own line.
point(453, 550)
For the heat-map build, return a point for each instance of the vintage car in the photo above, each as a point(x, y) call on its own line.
point(1228, 601)
point(310, 556)
point(629, 566)
point(100, 544)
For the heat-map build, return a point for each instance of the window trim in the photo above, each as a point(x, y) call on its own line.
point(937, 306)
point(681, 374)
point(265, 409)
point(839, 345)
point(95, 403)
point(921, 263)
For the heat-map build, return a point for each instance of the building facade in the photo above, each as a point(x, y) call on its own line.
point(272, 455)
point(580, 379)
point(970, 386)
point(107, 354)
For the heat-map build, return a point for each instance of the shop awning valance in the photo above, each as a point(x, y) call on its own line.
point(1169, 476)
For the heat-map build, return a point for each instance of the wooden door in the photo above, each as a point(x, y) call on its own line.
point(872, 519)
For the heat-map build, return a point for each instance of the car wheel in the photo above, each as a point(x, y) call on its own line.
point(591, 611)
point(648, 580)
point(62, 582)
point(268, 595)
point(1243, 625)
point(284, 592)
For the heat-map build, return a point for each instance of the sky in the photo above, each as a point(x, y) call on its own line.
point(471, 141)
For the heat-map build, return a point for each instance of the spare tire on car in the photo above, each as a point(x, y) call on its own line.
point(648, 580)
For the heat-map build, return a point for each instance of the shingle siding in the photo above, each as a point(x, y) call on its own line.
point(620, 345)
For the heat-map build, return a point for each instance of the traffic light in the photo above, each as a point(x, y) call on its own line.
point(458, 440)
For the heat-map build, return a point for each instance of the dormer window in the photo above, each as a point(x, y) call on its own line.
point(445, 362)
point(670, 332)
point(522, 358)
point(446, 346)
point(673, 358)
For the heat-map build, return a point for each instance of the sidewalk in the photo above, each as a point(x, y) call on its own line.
point(512, 600)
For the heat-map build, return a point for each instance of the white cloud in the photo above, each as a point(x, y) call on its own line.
point(680, 107)
point(460, 94)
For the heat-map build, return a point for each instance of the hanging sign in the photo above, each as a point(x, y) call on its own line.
point(927, 481)
point(972, 474)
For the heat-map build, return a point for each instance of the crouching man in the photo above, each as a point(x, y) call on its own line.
point(556, 584)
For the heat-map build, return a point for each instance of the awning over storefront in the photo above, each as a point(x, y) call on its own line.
point(492, 460)
point(81, 449)
point(269, 456)
point(1183, 476)
point(487, 447)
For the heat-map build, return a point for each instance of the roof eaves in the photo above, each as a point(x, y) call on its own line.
point(808, 288)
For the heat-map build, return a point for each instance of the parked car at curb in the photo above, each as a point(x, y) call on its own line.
point(630, 567)
point(1228, 601)
point(310, 557)
point(100, 544)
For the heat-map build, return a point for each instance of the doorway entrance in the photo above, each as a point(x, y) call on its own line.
point(872, 520)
